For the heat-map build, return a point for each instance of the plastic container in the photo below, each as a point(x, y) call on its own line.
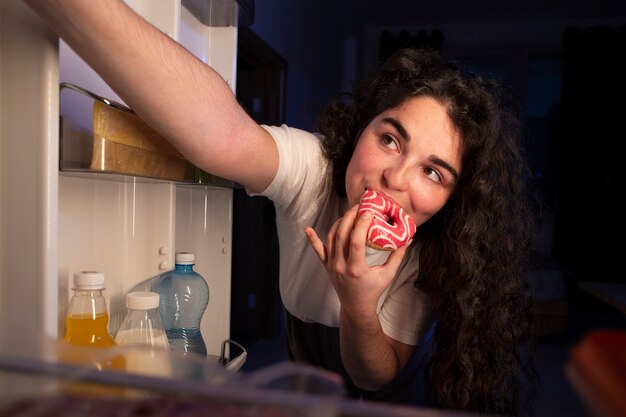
point(99, 135)
point(87, 335)
point(35, 386)
point(184, 297)
point(142, 334)
point(87, 319)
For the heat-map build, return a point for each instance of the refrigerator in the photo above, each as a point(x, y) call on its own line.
point(57, 218)
point(55, 221)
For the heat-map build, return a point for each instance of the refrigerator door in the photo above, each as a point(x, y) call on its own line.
point(55, 223)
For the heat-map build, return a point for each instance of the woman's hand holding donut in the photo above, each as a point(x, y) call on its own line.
point(391, 227)
point(359, 287)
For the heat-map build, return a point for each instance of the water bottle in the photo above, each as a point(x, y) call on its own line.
point(184, 297)
point(143, 335)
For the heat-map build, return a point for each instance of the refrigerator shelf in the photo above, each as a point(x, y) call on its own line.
point(98, 135)
point(36, 383)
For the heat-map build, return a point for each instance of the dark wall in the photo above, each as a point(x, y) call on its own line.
point(307, 35)
point(590, 164)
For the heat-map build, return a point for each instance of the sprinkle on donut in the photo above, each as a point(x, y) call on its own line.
point(391, 227)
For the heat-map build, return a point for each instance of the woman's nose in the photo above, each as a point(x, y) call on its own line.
point(395, 176)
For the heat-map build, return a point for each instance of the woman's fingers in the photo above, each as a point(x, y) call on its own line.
point(316, 244)
point(330, 240)
point(359, 237)
point(344, 232)
point(345, 242)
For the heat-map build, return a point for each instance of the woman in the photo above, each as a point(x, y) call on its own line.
point(472, 252)
point(446, 331)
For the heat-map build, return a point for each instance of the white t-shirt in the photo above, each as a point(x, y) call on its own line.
point(303, 195)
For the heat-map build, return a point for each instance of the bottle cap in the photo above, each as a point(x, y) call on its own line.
point(185, 258)
point(89, 280)
point(142, 300)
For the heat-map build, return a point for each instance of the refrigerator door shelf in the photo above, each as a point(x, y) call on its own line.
point(100, 135)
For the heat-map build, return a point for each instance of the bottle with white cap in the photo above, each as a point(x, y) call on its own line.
point(142, 331)
point(87, 319)
point(184, 297)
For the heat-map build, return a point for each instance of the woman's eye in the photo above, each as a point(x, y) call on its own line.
point(432, 174)
point(389, 141)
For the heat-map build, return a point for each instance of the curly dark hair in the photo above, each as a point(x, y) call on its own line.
point(473, 252)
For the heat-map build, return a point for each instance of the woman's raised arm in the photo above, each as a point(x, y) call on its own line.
point(177, 94)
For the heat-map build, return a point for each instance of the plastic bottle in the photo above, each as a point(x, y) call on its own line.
point(143, 334)
point(87, 319)
point(184, 297)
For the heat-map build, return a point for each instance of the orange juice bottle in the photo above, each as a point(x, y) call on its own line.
point(87, 322)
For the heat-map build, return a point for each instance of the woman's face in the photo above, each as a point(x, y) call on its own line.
point(412, 153)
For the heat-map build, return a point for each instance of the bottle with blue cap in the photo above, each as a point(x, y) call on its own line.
point(184, 298)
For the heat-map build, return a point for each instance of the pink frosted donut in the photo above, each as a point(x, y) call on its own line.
point(391, 227)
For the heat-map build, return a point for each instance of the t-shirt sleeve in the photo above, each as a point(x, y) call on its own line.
point(300, 169)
